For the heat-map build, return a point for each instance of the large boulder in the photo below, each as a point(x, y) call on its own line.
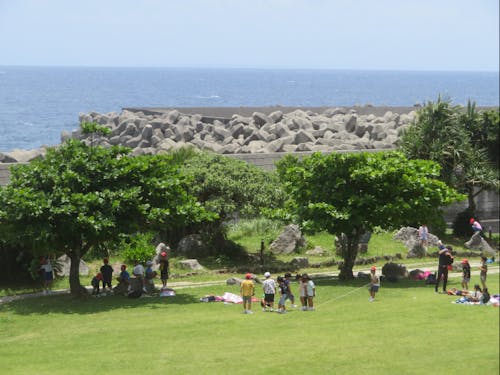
point(477, 242)
point(190, 264)
point(63, 264)
point(409, 237)
point(288, 241)
point(192, 246)
point(299, 262)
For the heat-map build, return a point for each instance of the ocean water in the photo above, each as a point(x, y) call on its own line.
point(38, 103)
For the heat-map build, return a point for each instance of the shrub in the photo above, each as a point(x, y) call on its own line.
point(461, 226)
point(138, 247)
point(394, 272)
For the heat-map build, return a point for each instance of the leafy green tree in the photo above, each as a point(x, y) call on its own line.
point(228, 187)
point(349, 194)
point(80, 196)
point(459, 140)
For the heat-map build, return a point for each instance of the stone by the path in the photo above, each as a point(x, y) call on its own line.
point(190, 264)
point(288, 241)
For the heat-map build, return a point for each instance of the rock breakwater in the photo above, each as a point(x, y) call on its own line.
point(152, 132)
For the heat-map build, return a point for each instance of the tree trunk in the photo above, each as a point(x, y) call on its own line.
point(74, 275)
point(470, 199)
point(349, 246)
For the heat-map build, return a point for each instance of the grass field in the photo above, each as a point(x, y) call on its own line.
point(408, 330)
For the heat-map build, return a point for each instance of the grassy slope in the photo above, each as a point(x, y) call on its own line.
point(409, 329)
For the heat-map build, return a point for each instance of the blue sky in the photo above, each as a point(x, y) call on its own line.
point(309, 34)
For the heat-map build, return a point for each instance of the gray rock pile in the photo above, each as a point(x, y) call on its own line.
point(334, 129)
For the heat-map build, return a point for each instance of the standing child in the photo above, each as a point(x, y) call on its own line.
point(96, 280)
point(483, 267)
point(374, 283)
point(288, 283)
point(465, 274)
point(107, 275)
point(269, 287)
point(303, 291)
point(283, 295)
point(164, 268)
point(247, 290)
point(310, 291)
point(48, 275)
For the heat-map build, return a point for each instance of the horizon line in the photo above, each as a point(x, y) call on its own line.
point(251, 68)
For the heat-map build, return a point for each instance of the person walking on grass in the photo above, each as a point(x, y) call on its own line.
point(374, 283)
point(445, 260)
point(247, 290)
point(465, 274)
point(269, 287)
point(483, 267)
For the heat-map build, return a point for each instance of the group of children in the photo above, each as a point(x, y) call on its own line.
point(145, 276)
point(307, 292)
point(479, 294)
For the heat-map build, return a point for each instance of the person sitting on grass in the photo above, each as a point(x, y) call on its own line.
point(123, 281)
point(138, 272)
point(149, 277)
point(247, 290)
point(476, 295)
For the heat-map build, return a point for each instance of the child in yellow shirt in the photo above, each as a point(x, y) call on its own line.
point(247, 290)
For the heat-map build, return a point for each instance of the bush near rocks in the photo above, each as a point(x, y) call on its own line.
point(394, 272)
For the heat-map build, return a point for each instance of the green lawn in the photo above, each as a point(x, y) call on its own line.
point(408, 330)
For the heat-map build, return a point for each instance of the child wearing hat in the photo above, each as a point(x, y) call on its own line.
point(269, 287)
point(374, 283)
point(465, 274)
point(164, 268)
point(247, 290)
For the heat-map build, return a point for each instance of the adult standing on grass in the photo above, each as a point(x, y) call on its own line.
point(374, 283)
point(483, 268)
point(269, 287)
point(107, 275)
point(423, 235)
point(445, 260)
point(247, 290)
